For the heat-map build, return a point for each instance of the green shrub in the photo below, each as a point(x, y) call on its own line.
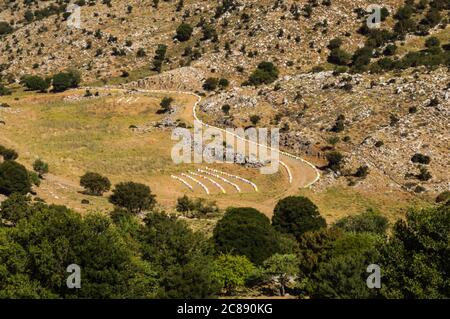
point(14, 178)
point(134, 197)
point(184, 32)
point(296, 215)
point(66, 80)
point(265, 73)
point(95, 184)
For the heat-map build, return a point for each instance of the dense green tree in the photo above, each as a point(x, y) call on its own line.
point(14, 178)
point(232, 272)
point(65, 80)
point(210, 84)
point(134, 197)
point(95, 184)
point(36, 83)
point(297, 215)
point(247, 232)
point(38, 250)
point(15, 207)
point(415, 261)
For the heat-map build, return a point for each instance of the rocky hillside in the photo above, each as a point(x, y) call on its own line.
point(229, 37)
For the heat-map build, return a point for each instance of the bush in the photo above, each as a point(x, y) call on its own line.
point(5, 28)
point(339, 57)
point(265, 73)
point(95, 184)
point(4, 90)
point(421, 159)
point(159, 58)
point(14, 178)
point(367, 222)
point(296, 215)
point(432, 42)
point(36, 83)
point(40, 167)
point(8, 154)
point(334, 159)
point(197, 208)
point(232, 272)
point(246, 232)
point(66, 80)
point(165, 104)
point(134, 197)
point(443, 197)
point(184, 32)
point(210, 84)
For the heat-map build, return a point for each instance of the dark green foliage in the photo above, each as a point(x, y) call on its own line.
point(342, 273)
point(66, 80)
point(334, 159)
point(40, 167)
point(247, 232)
point(14, 178)
point(226, 109)
point(134, 197)
point(159, 58)
point(15, 208)
point(196, 208)
point(415, 261)
point(421, 159)
point(95, 184)
point(335, 43)
point(165, 104)
point(4, 90)
point(362, 171)
point(184, 32)
point(36, 83)
point(339, 57)
point(210, 84)
point(8, 154)
point(36, 252)
point(265, 73)
point(367, 222)
point(5, 28)
point(296, 215)
point(443, 197)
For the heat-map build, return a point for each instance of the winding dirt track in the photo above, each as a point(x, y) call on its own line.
point(304, 173)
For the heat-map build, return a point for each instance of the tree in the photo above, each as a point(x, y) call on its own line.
point(184, 32)
point(65, 80)
point(339, 57)
point(334, 159)
point(283, 268)
point(421, 159)
point(297, 215)
point(95, 184)
point(40, 167)
point(36, 83)
point(165, 104)
point(335, 43)
point(15, 207)
point(231, 272)
point(246, 232)
point(4, 90)
point(36, 253)
point(432, 42)
point(369, 221)
point(226, 109)
point(255, 119)
point(210, 84)
point(415, 259)
point(223, 83)
point(8, 154)
point(159, 58)
point(14, 178)
point(265, 73)
point(134, 197)
point(5, 28)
